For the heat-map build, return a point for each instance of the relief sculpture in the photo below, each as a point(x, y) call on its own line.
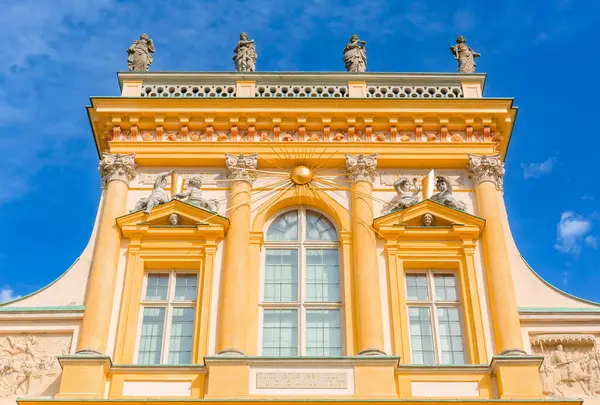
point(571, 366)
point(28, 364)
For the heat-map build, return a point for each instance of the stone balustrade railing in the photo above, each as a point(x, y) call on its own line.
point(300, 85)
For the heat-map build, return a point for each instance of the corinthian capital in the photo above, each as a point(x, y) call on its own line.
point(242, 167)
point(361, 167)
point(486, 168)
point(116, 167)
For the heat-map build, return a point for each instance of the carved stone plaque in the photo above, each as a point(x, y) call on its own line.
point(301, 380)
point(28, 364)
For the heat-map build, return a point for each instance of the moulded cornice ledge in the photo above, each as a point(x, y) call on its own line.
point(302, 361)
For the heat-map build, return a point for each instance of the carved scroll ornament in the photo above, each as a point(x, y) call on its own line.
point(486, 168)
point(116, 167)
point(242, 167)
point(361, 167)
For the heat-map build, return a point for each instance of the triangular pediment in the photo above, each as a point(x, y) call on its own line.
point(443, 217)
point(189, 216)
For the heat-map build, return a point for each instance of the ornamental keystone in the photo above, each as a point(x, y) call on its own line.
point(486, 168)
point(242, 167)
point(361, 167)
point(116, 167)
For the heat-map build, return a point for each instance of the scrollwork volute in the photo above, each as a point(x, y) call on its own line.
point(116, 167)
point(361, 167)
point(241, 167)
point(486, 168)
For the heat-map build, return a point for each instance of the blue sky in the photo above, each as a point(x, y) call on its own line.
point(55, 54)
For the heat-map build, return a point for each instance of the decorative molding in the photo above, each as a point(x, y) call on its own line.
point(116, 167)
point(361, 167)
point(28, 363)
point(486, 168)
point(242, 167)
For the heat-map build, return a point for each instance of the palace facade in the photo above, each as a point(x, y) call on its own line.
point(292, 237)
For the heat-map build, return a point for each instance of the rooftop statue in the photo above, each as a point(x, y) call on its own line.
point(157, 196)
point(405, 198)
point(464, 55)
point(245, 55)
point(193, 195)
point(355, 55)
point(139, 56)
point(445, 196)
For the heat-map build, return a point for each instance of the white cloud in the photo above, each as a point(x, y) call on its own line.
point(7, 294)
point(591, 241)
point(572, 231)
point(535, 170)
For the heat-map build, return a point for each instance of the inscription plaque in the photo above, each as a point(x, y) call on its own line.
point(301, 380)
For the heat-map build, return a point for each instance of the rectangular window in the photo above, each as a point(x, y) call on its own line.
point(323, 332)
point(280, 332)
point(168, 312)
point(434, 318)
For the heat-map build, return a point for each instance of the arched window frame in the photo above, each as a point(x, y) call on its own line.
point(302, 304)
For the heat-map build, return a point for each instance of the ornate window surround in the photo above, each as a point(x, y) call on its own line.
point(450, 245)
point(150, 247)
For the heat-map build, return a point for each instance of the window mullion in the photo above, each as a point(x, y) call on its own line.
point(166, 334)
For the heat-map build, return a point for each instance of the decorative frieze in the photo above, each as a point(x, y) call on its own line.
point(242, 167)
point(116, 167)
point(571, 366)
point(361, 167)
point(302, 134)
point(28, 365)
point(486, 168)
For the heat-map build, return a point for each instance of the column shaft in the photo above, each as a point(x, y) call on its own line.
point(103, 272)
point(507, 328)
point(366, 273)
point(232, 323)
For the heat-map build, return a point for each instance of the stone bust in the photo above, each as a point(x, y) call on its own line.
point(174, 219)
point(428, 220)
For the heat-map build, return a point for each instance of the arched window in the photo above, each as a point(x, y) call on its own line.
point(301, 300)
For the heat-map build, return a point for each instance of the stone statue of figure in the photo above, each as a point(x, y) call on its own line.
point(355, 55)
point(157, 196)
point(568, 370)
point(139, 56)
point(405, 198)
point(193, 195)
point(245, 55)
point(445, 197)
point(464, 55)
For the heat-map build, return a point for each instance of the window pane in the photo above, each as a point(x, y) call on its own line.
point(186, 287)
point(157, 286)
point(445, 287)
point(281, 275)
point(319, 228)
point(284, 227)
point(153, 322)
point(280, 332)
point(322, 278)
point(421, 336)
point(182, 332)
point(416, 287)
point(450, 336)
point(323, 332)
